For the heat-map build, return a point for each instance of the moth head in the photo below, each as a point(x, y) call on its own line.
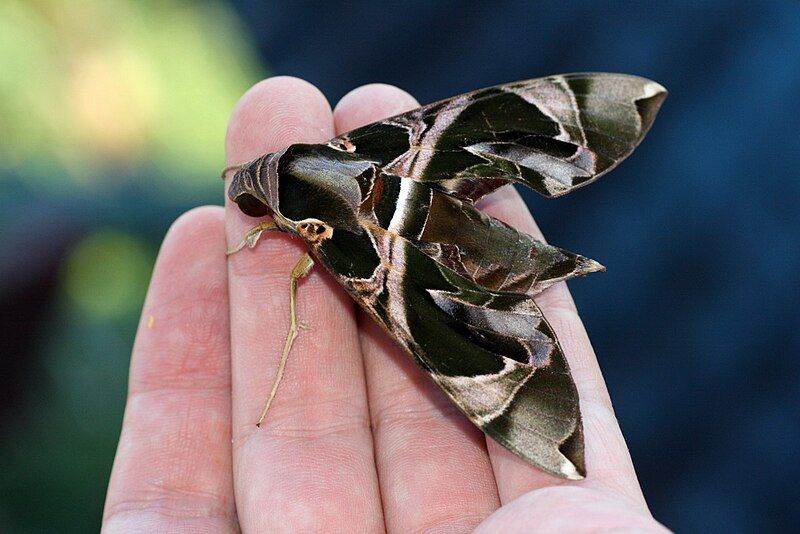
point(246, 191)
point(320, 183)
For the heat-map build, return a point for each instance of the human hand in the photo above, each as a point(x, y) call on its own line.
point(358, 439)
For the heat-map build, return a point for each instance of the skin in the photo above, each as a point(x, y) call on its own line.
point(358, 439)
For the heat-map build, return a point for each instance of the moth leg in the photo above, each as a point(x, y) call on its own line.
point(300, 270)
point(251, 237)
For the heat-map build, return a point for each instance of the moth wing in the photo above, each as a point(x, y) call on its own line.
point(491, 253)
point(492, 353)
point(457, 235)
point(552, 134)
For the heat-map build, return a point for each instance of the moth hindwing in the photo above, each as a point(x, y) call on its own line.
point(389, 210)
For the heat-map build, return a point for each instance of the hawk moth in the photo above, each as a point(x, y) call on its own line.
point(389, 210)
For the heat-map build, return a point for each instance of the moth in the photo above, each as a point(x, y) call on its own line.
point(389, 210)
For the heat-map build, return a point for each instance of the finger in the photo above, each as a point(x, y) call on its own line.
point(173, 465)
point(432, 463)
point(607, 459)
point(571, 509)
point(312, 458)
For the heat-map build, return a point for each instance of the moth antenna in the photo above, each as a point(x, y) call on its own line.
point(228, 169)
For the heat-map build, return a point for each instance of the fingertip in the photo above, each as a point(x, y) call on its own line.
point(190, 269)
point(192, 255)
point(274, 113)
point(370, 103)
point(196, 232)
point(196, 219)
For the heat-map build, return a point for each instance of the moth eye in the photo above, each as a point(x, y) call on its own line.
point(251, 206)
point(319, 229)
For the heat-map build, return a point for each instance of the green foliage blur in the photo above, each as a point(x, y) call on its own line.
point(113, 116)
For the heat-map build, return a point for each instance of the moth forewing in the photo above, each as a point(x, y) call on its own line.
point(388, 209)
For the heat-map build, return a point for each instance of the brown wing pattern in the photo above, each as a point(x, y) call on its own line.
point(552, 134)
point(454, 286)
point(493, 353)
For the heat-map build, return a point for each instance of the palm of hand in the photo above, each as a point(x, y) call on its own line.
point(358, 439)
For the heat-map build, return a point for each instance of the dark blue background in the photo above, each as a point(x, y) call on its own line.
point(695, 323)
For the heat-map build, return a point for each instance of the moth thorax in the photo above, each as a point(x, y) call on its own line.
point(344, 144)
point(313, 230)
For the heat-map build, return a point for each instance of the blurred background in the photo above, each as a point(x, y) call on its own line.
point(112, 121)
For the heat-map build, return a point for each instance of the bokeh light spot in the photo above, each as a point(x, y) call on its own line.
point(106, 274)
